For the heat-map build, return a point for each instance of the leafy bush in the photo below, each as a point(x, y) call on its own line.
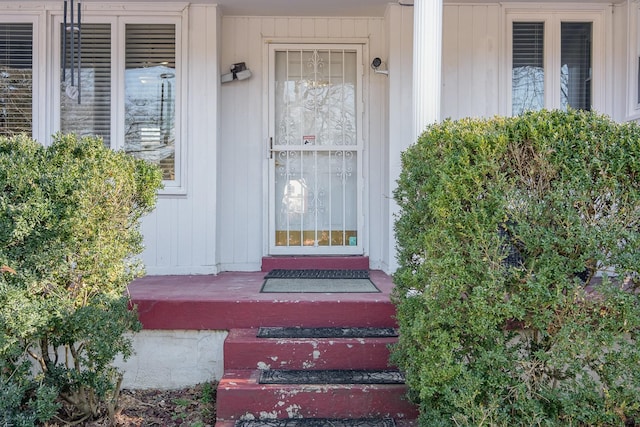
point(69, 233)
point(517, 287)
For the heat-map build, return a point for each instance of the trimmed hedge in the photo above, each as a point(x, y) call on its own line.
point(517, 287)
point(69, 235)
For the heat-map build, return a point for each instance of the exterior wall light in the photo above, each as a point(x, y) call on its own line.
point(239, 71)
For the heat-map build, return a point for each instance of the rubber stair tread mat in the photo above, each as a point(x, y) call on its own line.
point(318, 422)
point(326, 332)
point(318, 285)
point(331, 376)
point(317, 274)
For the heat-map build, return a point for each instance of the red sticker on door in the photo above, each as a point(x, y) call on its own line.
point(309, 139)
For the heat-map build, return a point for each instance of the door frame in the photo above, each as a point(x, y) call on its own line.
point(269, 248)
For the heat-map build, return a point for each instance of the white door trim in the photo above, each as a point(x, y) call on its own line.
point(268, 124)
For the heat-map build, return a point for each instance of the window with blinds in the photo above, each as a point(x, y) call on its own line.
point(150, 94)
point(16, 78)
point(529, 56)
point(527, 84)
point(85, 89)
point(575, 71)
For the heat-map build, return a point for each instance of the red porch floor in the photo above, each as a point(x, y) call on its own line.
point(233, 300)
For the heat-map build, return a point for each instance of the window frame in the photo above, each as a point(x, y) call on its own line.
point(170, 186)
point(552, 16)
point(38, 105)
point(633, 79)
point(118, 16)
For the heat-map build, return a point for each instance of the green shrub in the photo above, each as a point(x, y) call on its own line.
point(69, 233)
point(517, 288)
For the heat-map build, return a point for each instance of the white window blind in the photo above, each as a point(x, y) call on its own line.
point(575, 59)
point(16, 78)
point(150, 94)
point(85, 103)
point(527, 90)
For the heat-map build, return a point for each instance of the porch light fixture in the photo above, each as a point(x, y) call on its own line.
point(239, 71)
point(72, 91)
point(377, 64)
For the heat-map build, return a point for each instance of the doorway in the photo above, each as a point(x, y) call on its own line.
point(315, 150)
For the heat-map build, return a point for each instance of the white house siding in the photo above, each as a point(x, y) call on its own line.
point(180, 234)
point(399, 27)
point(470, 60)
point(622, 85)
point(474, 55)
point(241, 213)
point(220, 223)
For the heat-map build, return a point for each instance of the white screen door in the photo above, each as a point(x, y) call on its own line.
point(315, 149)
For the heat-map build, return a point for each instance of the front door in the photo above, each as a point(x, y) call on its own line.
point(315, 150)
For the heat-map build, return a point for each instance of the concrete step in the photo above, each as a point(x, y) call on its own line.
point(243, 350)
point(240, 396)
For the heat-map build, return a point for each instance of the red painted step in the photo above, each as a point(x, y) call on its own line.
point(242, 350)
point(234, 300)
point(239, 395)
point(315, 263)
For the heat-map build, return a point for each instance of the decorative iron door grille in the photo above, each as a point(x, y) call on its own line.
point(315, 150)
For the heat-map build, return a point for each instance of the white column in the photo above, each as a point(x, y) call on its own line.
point(427, 63)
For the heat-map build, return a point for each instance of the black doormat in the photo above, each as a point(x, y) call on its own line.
point(318, 422)
point(299, 332)
point(332, 376)
point(313, 285)
point(317, 274)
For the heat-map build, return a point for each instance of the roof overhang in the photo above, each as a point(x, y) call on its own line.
point(304, 7)
point(344, 8)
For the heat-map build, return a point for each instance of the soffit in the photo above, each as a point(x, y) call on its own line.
point(324, 7)
point(303, 7)
point(346, 7)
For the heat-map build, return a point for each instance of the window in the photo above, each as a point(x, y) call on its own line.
point(527, 87)
point(150, 87)
point(553, 57)
point(16, 78)
point(119, 81)
point(116, 75)
point(575, 63)
point(85, 89)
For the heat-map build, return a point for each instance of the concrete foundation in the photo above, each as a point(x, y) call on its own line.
point(171, 359)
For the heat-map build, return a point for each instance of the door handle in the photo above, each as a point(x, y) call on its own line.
point(271, 147)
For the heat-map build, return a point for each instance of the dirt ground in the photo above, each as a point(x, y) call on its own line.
point(188, 407)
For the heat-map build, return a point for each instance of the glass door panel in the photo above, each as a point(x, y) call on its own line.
point(315, 155)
